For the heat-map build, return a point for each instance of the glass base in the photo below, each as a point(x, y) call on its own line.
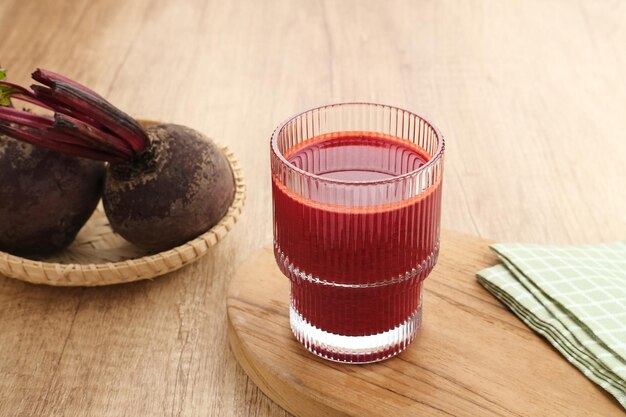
point(355, 349)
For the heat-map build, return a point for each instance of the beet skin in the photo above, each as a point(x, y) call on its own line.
point(45, 197)
point(180, 188)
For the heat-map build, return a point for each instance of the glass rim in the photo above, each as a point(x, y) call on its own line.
point(432, 161)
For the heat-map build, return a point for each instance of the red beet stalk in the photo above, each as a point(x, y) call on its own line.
point(84, 124)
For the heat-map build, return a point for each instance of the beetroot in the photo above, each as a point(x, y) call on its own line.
point(45, 197)
point(164, 184)
point(184, 189)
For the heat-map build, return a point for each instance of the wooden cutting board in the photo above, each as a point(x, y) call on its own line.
point(472, 357)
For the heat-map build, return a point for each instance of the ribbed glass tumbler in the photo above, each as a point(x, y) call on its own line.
point(357, 197)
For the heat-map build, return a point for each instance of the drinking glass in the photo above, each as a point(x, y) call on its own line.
point(356, 199)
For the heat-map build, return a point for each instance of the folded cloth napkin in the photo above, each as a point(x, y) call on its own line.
point(574, 296)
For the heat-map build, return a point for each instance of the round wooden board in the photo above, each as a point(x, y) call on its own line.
point(472, 356)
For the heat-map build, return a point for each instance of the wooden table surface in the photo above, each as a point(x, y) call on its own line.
point(529, 94)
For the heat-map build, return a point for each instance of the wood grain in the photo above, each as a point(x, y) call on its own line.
point(529, 94)
point(471, 358)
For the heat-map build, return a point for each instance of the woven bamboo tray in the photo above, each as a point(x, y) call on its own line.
point(98, 256)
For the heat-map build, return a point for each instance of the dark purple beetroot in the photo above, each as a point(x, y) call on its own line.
point(183, 190)
point(45, 197)
point(164, 185)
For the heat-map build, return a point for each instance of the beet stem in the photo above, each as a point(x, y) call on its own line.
point(36, 138)
point(48, 78)
point(97, 109)
point(69, 132)
point(78, 128)
point(84, 123)
point(11, 115)
point(46, 95)
point(9, 90)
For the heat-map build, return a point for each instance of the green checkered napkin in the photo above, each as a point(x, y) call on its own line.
point(574, 296)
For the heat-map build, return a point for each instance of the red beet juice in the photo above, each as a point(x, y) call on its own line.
point(356, 258)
